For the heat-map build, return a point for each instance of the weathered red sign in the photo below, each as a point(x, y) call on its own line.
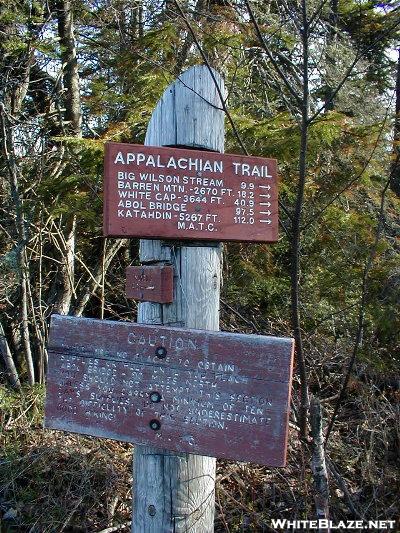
point(150, 283)
point(173, 193)
point(210, 393)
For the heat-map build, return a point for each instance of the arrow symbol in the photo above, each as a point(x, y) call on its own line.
point(268, 187)
point(265, 213)
point(265, 195)
point(268, 221)
point(266, 203)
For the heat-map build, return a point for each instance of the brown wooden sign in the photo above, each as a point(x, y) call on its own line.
point(150, 283)
point(171, 193)
point(209, 393)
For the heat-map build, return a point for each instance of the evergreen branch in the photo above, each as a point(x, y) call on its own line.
point(269, 54)
point(361, 315)
point(207, 63)
point(354, 180)
point(317, 12)
point(359, 55)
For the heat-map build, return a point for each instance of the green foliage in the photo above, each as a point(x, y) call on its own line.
point(27, 403)
point(78, 189)
point(9, 262)
point(327, 130)
point(373, 30)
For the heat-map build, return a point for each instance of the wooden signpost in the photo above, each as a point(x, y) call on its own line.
point(219, 394)
point(175, 386)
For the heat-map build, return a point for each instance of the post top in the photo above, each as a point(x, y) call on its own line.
point(190, 112)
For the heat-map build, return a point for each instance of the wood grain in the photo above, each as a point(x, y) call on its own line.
point(219, 394)
point(185, 499)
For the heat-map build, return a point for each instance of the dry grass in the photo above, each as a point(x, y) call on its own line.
point(54, 482)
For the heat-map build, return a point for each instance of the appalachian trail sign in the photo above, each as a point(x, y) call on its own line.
point(171, 383)
point(185, 194)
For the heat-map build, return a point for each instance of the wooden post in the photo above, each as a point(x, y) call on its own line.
point(175, 492)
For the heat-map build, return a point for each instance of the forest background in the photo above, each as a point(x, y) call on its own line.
point(312, 83)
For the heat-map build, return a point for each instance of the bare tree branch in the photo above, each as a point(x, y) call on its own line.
point(361, 314)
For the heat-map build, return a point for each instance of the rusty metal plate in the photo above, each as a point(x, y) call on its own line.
point(150, 283)
point(210, 393)
point(172, 193)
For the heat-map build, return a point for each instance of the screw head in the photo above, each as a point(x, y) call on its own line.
point(155, 424)
point(161, 352)
point(155, 397)
point(151, 510)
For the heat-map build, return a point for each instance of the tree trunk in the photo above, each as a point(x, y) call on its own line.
point(22, 236)
point(296, 232)
point(318, 464)
point(67, 269)
point(331, 54)
point(395, 170)
point(72, 98)
point(72, 124)
point(12, 373)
